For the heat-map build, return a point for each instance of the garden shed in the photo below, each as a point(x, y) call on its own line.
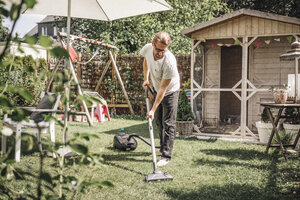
point(235, 59)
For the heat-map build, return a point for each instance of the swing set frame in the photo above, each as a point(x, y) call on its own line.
point(112, 54)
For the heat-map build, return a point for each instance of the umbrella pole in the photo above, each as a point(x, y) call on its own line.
point(65, 151)
point(67, 70)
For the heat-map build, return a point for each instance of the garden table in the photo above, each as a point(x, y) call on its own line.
point(275, 121)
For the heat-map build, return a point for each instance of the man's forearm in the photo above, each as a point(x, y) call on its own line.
point(161, 93)
point(159, 97)
point(145, 70)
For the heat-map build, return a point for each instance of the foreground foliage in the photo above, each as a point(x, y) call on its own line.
point(202, 169)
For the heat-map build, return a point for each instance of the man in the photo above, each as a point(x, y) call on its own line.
point(161, 65)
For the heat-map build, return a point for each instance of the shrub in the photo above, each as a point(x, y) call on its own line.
point(23, 72)
point(291, 114)
point(264, 116)
point(184, 110)
point(284, 137)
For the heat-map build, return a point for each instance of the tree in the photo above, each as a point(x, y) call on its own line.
point(130, 34)
point(281, 7)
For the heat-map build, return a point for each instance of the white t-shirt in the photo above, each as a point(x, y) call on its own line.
point(164, 68)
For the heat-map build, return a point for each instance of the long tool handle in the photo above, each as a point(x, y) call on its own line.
point(151, 131)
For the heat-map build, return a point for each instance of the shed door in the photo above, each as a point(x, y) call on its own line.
point(231, 73)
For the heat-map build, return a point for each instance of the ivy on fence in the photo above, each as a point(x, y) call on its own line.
point(131, 71)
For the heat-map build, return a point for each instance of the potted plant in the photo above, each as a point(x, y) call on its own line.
point(291, 124)
point(285, 138)
point(185, 117)
point(264, 127)
point(280, 94)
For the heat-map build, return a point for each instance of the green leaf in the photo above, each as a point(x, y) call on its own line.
point(4, 171)
point(45, 41)
point(18, 115)
point(23, 92)
point(30, 142)
point(5, 102)
point(4, 12)
point(30, 40)
point(107, 183)
point(59, 52)
point(30, 3)
point(96, 100)
point(86, 99)
point(79, 148)
point(18, 175)
point(28, 68)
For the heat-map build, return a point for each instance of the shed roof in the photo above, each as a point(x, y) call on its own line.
point(251, 23)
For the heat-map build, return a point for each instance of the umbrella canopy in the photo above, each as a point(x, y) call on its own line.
point(107, 10)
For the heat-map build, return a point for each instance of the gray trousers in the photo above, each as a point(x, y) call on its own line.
point(165, 118)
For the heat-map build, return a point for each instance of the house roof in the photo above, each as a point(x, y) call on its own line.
point(33, 31)
point(49, 18)
point(238, 14)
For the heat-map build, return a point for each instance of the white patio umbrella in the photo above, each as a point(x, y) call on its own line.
point(106, 10)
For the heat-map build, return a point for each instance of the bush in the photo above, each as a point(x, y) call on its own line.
point(184, 110)
point(291, 114)
point(23, 72)
point(264, 116)
point(284, 137)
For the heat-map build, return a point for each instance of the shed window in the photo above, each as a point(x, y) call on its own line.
point(54, 31)
point(44, 30)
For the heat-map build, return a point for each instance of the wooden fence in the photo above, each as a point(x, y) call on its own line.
point(131, 71)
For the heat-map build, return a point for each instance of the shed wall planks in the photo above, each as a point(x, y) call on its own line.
point(212, 99)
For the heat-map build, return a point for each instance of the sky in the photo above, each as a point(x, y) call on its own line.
point(25, 23)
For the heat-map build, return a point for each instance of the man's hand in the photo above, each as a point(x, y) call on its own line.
point(150, 115)
point(146, 83)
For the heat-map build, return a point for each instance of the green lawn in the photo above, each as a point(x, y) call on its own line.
point(202, 169)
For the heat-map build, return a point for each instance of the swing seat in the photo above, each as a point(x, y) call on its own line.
point(72, 53)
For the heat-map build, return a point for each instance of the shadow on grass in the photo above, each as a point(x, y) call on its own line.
point(110, 159)
point(210, 140)
point(279, 176)
point(29, 145)
point(140, 129)
point(125, 168)
point(129, 156)
point(234, 157)
point(237, 154)
point(228, 191)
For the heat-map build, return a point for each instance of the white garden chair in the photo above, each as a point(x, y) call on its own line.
point(33, 125)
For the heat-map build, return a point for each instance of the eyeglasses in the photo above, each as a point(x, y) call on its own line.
point(159, 50)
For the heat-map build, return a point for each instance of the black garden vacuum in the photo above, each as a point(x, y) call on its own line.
point(126, 142)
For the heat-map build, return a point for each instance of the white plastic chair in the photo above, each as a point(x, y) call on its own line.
point(31, 127)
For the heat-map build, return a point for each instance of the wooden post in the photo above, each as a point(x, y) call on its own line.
point(79, 66)
point(102, 75)
point(51, 78)
point(194, 46)
point(244, 87)
point(80, 93)
point(121, 82)
point(192, 74)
